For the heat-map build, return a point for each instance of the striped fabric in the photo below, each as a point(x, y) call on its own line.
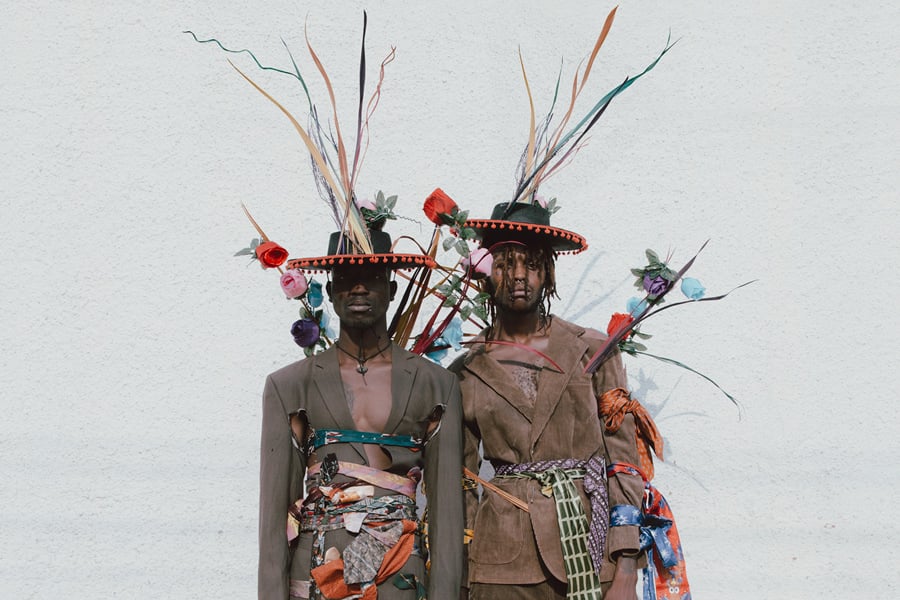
point(582, 546)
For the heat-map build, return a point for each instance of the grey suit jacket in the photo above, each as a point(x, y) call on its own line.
point(314, 386)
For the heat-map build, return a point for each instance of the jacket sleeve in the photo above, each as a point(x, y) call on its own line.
point(443, 494)
point(620, 447)
point(277, 483)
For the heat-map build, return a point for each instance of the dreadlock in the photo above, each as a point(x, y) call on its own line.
point(545, 258)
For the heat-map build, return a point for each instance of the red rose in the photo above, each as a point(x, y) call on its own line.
point(617, 322)
point(271, 255)
point(437, 205)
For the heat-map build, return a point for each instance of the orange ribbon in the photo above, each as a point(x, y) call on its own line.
point(330, 576)
point(614, 404)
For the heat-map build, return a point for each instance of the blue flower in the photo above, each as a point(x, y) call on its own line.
point(636, 306)
point(692, 288)
point(438, 355)
point(453, 334)
point(327, 325)
point(314, 293)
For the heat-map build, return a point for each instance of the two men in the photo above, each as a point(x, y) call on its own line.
point(529, 404)
point(358, 426)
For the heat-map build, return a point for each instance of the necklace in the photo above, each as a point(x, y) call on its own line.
point(362, 359)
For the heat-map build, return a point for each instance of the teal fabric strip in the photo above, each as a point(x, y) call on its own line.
point(323, 437)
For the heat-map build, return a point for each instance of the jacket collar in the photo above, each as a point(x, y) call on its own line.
point(566, 347)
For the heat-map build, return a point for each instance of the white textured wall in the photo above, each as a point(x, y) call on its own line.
point(134, 346)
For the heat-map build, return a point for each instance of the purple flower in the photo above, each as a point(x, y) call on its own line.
point(655, 285)
point(305, 332)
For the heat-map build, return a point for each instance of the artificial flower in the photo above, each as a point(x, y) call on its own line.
point(440, 352)
point(294, 283)
point(314, 293)
point(617, 322)
point(271, 255)
point(439, 207)
point(328, 325)
point(656, 285)
point(636, 306)
point(480, 261)
point(692, 288)
point(365, 203)
point(305, 332)
point(453, 334)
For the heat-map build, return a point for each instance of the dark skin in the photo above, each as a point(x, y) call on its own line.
point(361, 296)
point(517, 284)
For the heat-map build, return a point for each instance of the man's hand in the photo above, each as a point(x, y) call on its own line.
point(624, 583)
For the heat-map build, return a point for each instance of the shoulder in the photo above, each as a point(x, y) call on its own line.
point(592, 337)
point(298, 370)
point(422, 365)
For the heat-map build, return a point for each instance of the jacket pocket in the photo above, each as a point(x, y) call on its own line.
point(499, 531)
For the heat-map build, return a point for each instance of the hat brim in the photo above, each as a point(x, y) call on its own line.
point(388, 260)
point(491, 231)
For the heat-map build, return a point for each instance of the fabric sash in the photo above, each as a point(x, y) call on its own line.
point(383, 479)
point(582, 560)
point(665, 577)
point(323, 437)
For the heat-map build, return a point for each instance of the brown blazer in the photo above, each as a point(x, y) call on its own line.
point(510, 546)
point(314, 385)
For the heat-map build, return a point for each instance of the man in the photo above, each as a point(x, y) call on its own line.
point(357, 426)
point(540, 526)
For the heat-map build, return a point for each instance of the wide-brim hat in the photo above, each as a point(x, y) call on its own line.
point(528, 224)
point(381, 255)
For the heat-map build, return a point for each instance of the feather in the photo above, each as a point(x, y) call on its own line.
point(362, 93)
point(259, 230)
point(342, 152)
point(371, 106)
point(600, 39)
point(316, 155)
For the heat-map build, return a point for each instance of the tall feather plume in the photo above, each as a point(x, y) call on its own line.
point(362, 94)
point(370, 109)
point(356, 226)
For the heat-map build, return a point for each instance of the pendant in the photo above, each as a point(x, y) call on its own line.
point(362, 369)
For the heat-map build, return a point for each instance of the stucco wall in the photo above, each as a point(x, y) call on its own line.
point(134, 346)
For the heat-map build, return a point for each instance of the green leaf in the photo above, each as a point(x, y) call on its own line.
point(450, 300)
point(254, 243)
point(462, 247)
point(652, 256)
point(392, 201)
point(637, 272)
point(481, 312)
point(462, 216)
point(448, 242)
point(465, 311)
point(643, 336)
point(244, 252)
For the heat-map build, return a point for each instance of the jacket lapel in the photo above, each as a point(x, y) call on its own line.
point(331, 388)
point(403, 375)
point(566, 348)
point(496, 377)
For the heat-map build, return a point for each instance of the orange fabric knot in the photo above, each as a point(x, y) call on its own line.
point(614, 405)
point(330, 576)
